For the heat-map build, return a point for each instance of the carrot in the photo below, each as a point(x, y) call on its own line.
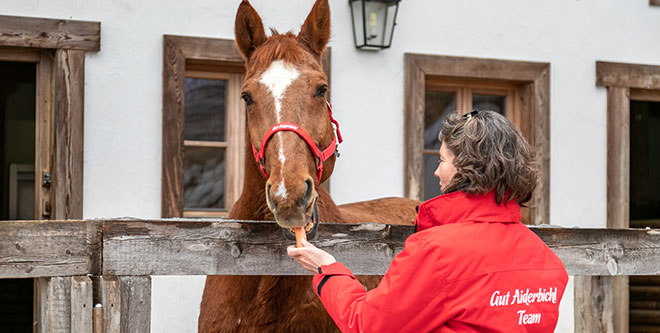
point(300, 235)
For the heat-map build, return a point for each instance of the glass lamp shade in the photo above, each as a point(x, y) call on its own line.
point(373, 22)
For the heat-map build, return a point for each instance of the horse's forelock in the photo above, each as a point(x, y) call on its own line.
point(278, 47)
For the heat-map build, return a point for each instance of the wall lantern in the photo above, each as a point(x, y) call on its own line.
point(373, 22)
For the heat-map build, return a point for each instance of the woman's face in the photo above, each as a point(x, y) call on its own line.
point(446, 169)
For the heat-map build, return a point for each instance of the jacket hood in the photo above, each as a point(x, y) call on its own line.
point(461, 207)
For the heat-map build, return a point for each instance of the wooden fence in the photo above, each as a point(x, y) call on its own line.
point(94, 275)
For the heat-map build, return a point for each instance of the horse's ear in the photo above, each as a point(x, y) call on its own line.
point(315, 32)
point(248, 29)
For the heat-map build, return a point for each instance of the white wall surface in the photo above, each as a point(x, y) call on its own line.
point(123, 111)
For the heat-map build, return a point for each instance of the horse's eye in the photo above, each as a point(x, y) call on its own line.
point(321, 90)
point(247, 98)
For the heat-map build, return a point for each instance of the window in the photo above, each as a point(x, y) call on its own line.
point(203, 132)
point(438, 85)
point(443, 96)
point(213, 140)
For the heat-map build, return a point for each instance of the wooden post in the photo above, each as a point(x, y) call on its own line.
point(111, 301)
point(135, 303)
point(81, 304)
point(69, 78)
point(54, 310)
point(126, 303)
point(65, 304)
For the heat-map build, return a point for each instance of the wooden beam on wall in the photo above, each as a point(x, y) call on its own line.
point(50, 33)
point(174, 67)
point(612, 74)
point(618, 157)
point(68, 113)
point(413, 128)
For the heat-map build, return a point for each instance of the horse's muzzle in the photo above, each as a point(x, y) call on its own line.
point(310, 230)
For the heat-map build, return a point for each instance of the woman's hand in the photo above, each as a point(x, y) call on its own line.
point(310, 257)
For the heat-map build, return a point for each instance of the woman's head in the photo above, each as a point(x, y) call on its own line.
point(489, 154)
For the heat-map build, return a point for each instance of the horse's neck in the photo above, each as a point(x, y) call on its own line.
point(251, 205)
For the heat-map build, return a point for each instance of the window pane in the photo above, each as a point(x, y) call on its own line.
point(203, 178)
point(644, 162)
point(489, 102)
point(437, 105)
point(431, 183)
point(205, 105)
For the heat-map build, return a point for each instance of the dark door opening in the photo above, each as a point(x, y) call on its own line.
point(17, 157)
point(644, 207)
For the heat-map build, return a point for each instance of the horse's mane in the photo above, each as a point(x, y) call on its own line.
point(278, 46)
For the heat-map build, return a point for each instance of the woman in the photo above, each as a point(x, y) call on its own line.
point(471, 266)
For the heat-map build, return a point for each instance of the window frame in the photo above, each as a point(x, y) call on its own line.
point(533, 80)
point(184, 56)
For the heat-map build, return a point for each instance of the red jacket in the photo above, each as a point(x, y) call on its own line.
point(470, 267)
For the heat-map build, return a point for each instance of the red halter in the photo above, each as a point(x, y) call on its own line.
point(319, 156)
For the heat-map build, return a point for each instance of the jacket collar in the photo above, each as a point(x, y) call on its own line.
point(460, 207)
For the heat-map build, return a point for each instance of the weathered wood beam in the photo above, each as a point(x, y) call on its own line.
point(31, 249)
point(194, 247)
point(68, 114)
point(50, 33)
point(613, 74)
point(205, 247)
point(66, 304)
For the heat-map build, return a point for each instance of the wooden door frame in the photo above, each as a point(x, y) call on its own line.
point(534, 80)
point(621, 80)
point(58, 48)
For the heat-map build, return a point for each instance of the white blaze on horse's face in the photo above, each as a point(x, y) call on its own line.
point(277, 78)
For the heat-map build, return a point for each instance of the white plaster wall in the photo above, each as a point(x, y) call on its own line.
point(122, 167)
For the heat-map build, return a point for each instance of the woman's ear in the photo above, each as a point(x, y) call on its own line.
point(315, 32)
point(249, 29)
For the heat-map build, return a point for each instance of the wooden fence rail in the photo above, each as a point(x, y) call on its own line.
point(206, 247)
point(81, 263)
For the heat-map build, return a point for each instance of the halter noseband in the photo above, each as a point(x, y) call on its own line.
point(319, 156)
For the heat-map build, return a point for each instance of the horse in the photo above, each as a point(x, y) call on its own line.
point(288, 119)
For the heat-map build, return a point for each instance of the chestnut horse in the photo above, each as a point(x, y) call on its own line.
point(289, 123)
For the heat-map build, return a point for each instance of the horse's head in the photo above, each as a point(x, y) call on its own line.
point(287, 113)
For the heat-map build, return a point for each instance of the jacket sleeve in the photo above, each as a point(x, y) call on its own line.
point(411, 282)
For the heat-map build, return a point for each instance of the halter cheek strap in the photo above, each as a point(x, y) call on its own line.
point(319, 156)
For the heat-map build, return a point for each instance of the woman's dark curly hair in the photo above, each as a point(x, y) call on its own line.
point(490, 155)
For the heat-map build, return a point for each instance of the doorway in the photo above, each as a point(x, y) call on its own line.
point(17, 157)
point(644, 206)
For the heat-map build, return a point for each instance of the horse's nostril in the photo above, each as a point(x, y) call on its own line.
point(309, 188)
point(269, 200)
